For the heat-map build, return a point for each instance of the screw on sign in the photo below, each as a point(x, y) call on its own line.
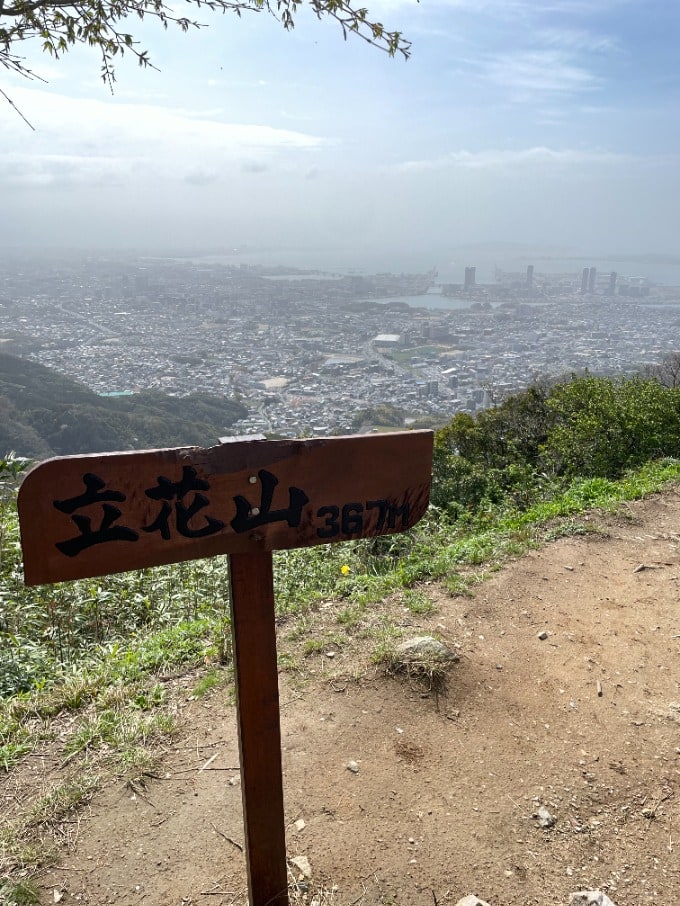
point(91, 515)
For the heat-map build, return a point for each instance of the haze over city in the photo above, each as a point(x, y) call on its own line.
point(551, 124)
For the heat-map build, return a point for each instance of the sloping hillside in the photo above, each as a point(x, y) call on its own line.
point(43, 413)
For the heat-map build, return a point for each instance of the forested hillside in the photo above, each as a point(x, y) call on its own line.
point(43, 413)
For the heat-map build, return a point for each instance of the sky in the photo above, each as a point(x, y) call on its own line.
point(550, 124)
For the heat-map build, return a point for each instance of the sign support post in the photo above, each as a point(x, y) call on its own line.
point(259, 734)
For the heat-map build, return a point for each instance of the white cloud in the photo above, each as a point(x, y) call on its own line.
point(89, 141)
point(504, 160)
point(577, 39)
point(526, 75)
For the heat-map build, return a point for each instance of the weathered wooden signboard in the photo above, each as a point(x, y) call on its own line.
point(91, 515)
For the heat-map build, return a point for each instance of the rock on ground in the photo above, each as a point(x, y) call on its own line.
point(590, 898)
point(425, 647)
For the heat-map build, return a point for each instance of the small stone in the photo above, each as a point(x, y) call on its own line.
point(330, 654)
point(471, 900)
point(234, 781)
point(300, 824)
point(545, 819)
point(543, 635)
point(590, 898)
point(425, 647)
point(302, 864)
point(353, 767)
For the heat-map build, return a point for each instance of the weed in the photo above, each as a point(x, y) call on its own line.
point(150, 698)
point(135, 761)
point(313, 646)
point(350, 616)
point(386, 637)
point(19, 893)
point(418, 602)
point(210, 680)
point(570, 528)
point(62, 799)
point(288, 662)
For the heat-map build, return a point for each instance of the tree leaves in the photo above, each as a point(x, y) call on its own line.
point(63, 24)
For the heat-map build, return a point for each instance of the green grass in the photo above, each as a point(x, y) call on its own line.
point(21, 893)
point(213, 679)
point(190, 629)
point(62, 800)
point(418, 602)
point(313, 646)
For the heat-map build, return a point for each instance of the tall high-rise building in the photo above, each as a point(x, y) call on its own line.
point(584, 280)
point(612, 283)
point(470, 273)
point(530, 275)
point(592, 279)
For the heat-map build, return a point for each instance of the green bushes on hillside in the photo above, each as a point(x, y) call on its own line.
point(586, 426)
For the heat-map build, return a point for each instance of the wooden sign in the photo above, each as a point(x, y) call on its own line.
point(86, 516)
point(92, 515)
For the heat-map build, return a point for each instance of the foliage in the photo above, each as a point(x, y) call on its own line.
point(21, 893)
point(536, 440)
point(103, 24)
point(603, 426)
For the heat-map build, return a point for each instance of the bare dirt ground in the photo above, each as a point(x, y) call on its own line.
point(585, 722)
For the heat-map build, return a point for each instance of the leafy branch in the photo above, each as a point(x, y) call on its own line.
point(62, 24)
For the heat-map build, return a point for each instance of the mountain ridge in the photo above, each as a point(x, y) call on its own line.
point(44, 413)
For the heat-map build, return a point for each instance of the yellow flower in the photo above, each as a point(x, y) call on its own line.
point(344, 569)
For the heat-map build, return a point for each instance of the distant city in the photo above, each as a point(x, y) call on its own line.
point(306, 350)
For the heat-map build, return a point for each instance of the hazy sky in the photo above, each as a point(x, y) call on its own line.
point(539, 121)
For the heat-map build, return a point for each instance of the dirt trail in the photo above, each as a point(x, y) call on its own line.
point(585, 722)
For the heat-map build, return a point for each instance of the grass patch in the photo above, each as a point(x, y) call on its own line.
point(351, 616)
point(62, 800)
point(20, 893)
point(418, 602)
point(213, 679)
point(313, 646)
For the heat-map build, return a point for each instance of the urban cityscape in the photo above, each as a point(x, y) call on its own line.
point(313, 353)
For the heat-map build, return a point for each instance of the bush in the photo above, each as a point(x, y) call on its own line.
point(585, 426)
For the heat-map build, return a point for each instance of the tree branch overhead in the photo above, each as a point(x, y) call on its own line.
point(62, 24)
